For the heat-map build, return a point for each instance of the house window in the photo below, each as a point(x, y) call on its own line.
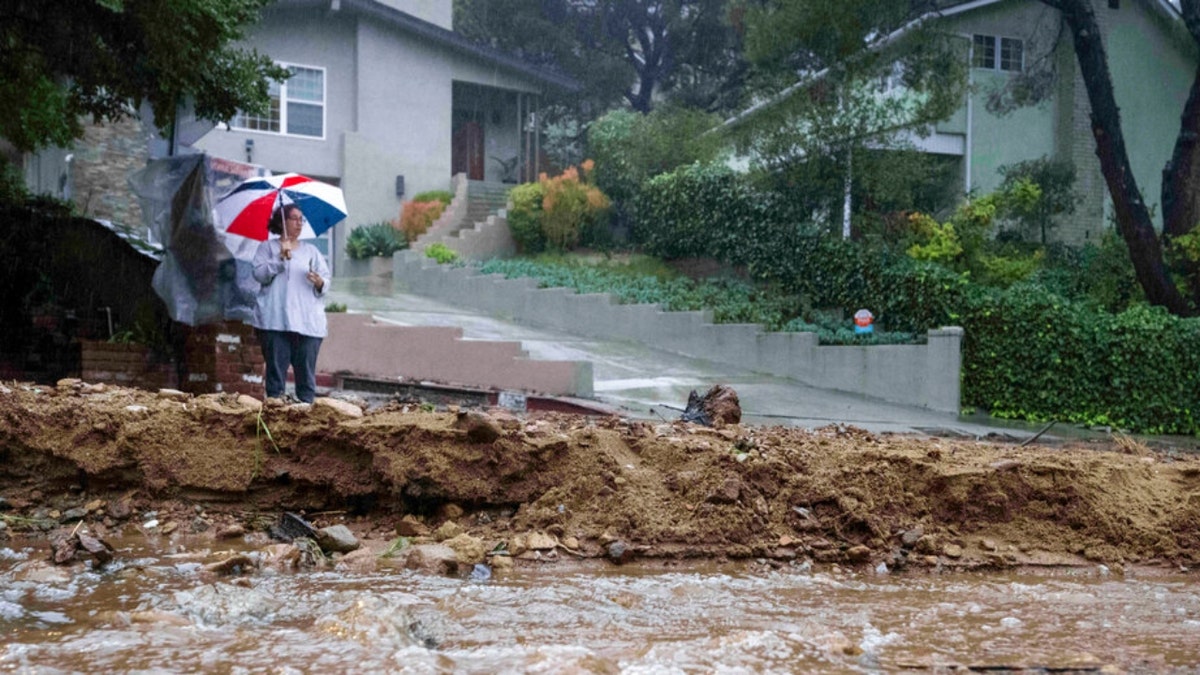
point(297, 106)
point(997, 53)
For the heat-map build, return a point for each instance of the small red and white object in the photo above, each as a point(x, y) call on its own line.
point(864, 321)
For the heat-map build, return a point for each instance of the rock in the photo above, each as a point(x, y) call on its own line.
point(68, 383)
point(469, 550)
point(170, 527)
point(235, 564)
point(121, 510)
point(619, 552)
point(344, 408)
point(502, 562)
point(728, 492)
point(173, 395)
point(540, 541)
point(987, 544)
point(927, 544)
point(479, 427)
point(432, 559)
point(409, 526)
point(5, 505)
point(450, 512)
point(911, 537)
point(448, 530)
point(63, 549)
point(952, 551)
point(858, 553)
point(571, 543)
point(362, 561)
point(281, 557)
point(337, 539)
point(3, 526)
point(99, 549)
point(716, 408)
point(94, 506)
point(231, 532)
point(72, 516)
point(249, 402)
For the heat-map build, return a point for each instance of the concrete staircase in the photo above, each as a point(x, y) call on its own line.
point(474, 224)
point(359, 345)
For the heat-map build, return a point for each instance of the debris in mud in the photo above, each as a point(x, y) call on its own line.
point(550, 487)
point(66, 549)
point(292, 526)
point(717, 408)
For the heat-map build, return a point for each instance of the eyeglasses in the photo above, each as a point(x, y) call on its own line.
point(295, 217)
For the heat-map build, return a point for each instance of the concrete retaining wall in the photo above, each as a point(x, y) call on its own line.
point(919, 375)
point(360, 345)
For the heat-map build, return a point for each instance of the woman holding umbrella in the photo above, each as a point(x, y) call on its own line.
point(289, 313)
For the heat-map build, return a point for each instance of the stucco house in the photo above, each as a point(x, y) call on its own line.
point(385, 101)
point(1152, 63)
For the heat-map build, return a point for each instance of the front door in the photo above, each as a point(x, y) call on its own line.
point(466, 152)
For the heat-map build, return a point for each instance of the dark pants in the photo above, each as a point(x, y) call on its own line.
point(281, 349)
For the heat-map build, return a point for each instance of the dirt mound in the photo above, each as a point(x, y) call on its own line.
point(837, 494)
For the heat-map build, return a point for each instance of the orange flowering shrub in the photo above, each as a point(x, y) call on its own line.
point(416, 217)
point(570, 205)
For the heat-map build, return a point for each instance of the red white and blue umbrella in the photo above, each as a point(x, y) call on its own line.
point(247, 210)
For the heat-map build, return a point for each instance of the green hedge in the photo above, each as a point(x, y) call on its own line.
point(1029, 353)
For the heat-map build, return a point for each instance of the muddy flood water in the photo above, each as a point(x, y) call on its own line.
point(155, 609)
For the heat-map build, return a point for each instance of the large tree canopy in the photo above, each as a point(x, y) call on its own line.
point(636, 50)
point(61, 60)
point(853, 28)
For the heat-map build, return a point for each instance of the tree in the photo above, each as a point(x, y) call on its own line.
point(61, 60)
point(855, 28)
point(1180, 176)
point(849, 102)
point(636, 50)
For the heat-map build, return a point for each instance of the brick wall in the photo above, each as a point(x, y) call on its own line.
point(126, 364)
point(1087, 224)
point(223, 357)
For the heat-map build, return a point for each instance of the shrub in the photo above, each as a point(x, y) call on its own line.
point(571, 206)
point(335, 307)
point(558, 212)
point(525, 217)
point(1030, 353)
point(417, 216)
point(377, 239)
point(441, 253)
point(630, 147)
point(443, 196)
point(1037, 192)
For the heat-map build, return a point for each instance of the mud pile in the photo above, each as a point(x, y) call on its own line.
point(658, 491)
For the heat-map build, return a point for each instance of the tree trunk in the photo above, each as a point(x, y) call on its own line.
point(1133, 218)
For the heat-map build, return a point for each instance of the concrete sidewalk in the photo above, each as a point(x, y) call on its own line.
point(639, 381)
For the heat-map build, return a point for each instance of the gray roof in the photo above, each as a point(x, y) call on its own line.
point(446, 38)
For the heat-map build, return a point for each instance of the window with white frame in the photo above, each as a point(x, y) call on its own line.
point(297, 106)
point(997, 53)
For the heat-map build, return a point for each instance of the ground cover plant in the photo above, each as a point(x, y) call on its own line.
point(640, 279)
